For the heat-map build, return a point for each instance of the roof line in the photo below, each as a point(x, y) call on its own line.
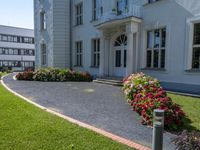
point(16, 27)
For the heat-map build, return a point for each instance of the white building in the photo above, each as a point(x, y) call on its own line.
point(120, 37)
point(17, 50)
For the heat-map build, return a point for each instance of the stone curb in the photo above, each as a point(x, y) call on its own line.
point(81, 124)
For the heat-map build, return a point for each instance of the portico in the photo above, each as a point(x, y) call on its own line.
point(119, 47)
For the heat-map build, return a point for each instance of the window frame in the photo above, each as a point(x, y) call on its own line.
point(79, 14)
point(96, 48)
point(16, 39)
point(97, 9)
point(194, 46)
point(79, 54)
point(154, 49)
point(44, 55)
point(43, 21)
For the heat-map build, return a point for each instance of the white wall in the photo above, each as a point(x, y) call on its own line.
point(174, 15)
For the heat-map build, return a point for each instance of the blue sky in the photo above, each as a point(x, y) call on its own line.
point(17, 13)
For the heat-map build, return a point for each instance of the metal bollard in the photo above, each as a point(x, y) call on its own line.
point(158, 127)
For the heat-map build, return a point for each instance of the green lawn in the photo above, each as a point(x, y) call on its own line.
point(2, 74)
point(191, 107)
point(25, 127)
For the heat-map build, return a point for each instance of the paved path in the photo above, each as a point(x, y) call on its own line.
point(102, 106)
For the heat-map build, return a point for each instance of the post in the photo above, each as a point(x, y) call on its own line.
point(158, 127)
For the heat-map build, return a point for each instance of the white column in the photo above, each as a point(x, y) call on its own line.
point(130, 54)
point(136, 52)
point(106, 55)
point(132, 46)
point(102, 55)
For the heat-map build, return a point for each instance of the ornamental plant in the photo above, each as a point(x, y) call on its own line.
point(28, 75)
point(188, 141)
point(144, 93)
point(54, 75)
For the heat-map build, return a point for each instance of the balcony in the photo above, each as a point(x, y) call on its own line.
point(117, 15)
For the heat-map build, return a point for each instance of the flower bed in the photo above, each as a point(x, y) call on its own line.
point(145, 94)
point(54, 75)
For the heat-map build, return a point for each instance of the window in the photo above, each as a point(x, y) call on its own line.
point(122, 6)
point(121, 40)
point(15, 63)
point(118, 58)
point(10, 39)
point(16, 39)
point(97, 9)
point(156, 45)
point(79, 51)
point(16, 52)
point(196, 47)
point(43, 20)
point(96, 52)
point(4, 38)
point(43, 54)
point(79, 14)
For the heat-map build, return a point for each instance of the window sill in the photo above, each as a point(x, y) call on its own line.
point(153, 69)
point(95, 67)
point(78, 25)
point(193, 71)
point(147, 4)
point(43, 30)
point(78, 66)
point(94, 20)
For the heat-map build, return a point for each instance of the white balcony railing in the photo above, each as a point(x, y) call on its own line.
point(131, 11)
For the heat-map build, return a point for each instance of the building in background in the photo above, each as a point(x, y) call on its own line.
point(17, 50)
point(121, 37)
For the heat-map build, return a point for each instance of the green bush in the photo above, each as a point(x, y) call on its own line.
point(54, 75)
point(145, 94)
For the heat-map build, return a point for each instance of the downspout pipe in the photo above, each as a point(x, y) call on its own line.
point(70, 34)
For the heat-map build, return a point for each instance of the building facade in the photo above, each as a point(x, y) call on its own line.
point(120, 37)
point(17, 50)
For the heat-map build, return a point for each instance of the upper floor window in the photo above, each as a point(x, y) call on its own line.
point(196, 47)
point(16, 39)
point(122, 6)
point(156, 46)
point(43, 21)
point(97, 9)
point(79, 14)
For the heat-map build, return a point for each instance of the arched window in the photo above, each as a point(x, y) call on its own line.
point(121, 40)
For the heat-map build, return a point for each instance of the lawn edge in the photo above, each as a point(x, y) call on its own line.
point(109, 135)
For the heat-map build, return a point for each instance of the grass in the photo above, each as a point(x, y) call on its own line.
point(191, 107)
point(25, 127)
point(2, 74)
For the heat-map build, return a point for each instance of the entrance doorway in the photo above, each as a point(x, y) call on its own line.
point(120, 56)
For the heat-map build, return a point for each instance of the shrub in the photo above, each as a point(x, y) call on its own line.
point(55, 75)
point(145, 94)
point(188, 141)
point(28, 75)
point(6, 69)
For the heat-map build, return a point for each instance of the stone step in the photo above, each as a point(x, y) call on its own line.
point(109, 82)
